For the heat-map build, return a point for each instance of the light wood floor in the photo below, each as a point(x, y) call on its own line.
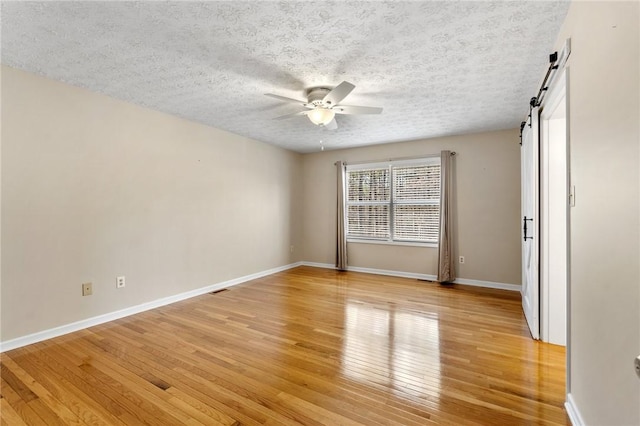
point(308, 346)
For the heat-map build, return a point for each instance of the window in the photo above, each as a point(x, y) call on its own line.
point(391, 202)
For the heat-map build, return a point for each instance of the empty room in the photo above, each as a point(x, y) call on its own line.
point(320, 213)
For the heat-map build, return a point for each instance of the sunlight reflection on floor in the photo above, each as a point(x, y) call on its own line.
point(381, 347)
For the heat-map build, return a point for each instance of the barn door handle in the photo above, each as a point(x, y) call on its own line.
point(524, 227)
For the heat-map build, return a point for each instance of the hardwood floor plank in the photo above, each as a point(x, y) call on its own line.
point(253, 362)
point(198, 409)
point(55, 363)
point(236, 393)
point(269, 369)
point(19, 406)
point(78, 402)
point(197, 393)
point(305, 346)
point(60, 410)
point(9, 416)
point(48, 416)
point(19, 387)
point(132, 398)
point(124, 379)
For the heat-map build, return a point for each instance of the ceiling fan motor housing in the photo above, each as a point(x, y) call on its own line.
point(315, 95)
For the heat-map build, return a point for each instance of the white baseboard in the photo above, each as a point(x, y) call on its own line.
point(462, 281)
point(392, 273)
point(318, 265)
point(373, 271)
point(488, 284)
point(100, 319)
point(573, 412)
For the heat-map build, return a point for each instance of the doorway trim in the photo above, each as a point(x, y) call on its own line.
point(554, 210)
point(560, 88)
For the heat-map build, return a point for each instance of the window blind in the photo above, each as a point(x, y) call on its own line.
point(368, 185)
point(394, 202)
point(415, 184)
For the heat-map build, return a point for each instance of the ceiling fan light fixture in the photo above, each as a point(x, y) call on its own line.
point(321, 116)
point(323, 104)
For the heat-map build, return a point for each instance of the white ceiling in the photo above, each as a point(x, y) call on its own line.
point(437, 68)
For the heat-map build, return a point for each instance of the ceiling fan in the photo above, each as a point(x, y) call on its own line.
point(323, 104)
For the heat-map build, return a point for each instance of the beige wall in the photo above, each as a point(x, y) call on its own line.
point(604, 119)
point(487, 199)
point(93, 188)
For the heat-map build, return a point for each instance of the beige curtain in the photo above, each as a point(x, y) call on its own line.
point(341, 247)
point(446, 272)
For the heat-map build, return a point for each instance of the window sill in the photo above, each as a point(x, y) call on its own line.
point(392, 243)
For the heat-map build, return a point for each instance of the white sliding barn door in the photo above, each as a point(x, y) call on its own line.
point(530, 223)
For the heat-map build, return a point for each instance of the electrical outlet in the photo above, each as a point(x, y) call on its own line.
point(87, 289)
point(120, 282)
point(461, 259)
point(291, 249)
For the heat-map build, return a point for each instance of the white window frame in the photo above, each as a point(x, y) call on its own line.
point(424, 161)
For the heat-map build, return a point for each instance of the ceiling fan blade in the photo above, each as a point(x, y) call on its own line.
point(349, 109)
point(338, 93)
point(282, 117)
point(332, 125)
point(283, 98)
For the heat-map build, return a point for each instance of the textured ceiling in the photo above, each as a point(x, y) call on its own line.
point(437, 68)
